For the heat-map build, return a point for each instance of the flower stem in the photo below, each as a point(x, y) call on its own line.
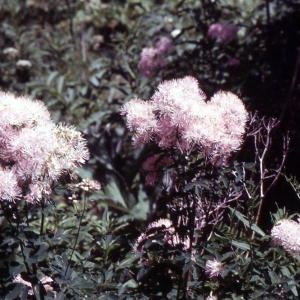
point(77, 236)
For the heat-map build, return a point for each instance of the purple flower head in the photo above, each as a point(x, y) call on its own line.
point(233, 62)
point(163, 45)
point(222, 32)
point(153, 58)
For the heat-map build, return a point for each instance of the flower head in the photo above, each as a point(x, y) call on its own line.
point(9, 188)
point(141, 120)
point(153, 58)
point(24, 64)
point(222, 32)
point(163, 45)
point(233, 62)
point(34, 150)
point(13, 52)
point(87, 185)
point(178, 116)
point(286, 234)
point(213, 268)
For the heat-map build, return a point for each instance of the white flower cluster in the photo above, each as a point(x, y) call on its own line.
point(34, 152)
point(286, 234)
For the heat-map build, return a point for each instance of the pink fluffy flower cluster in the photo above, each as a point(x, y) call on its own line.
point(286, 233)
point(214, 268)
point(34, 151)
point(179, 117)
point(222, 32)
point(152, 58)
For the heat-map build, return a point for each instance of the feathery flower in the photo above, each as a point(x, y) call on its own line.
point(222, 32)
point(34, 149)
point(87, 185)
point(38, 191)
point(141, 120)
point(153, 58)
point(213, 268)
point(13, 52)
point(178, 116)
point(163, 45)
point(24, 63)
point(9, 188)
point(286, 234)
point(164, 223)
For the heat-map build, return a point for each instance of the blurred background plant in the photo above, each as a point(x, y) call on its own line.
point(82, 59)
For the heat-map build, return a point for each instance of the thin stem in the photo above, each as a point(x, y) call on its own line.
point(24, 258)
point(26, 209)
point(268, 12)
point(258, 138)
point(77, 235)
point(70, 19)
point(286, 143)
point(42, 218)
point(83, 49)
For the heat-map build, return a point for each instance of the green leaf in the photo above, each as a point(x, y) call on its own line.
point(100, 74)
point(15, 268)
point(274, 277)
point(225, 181)
point(250, 167)
point(113, 192)
point(94, 81)
point(243, 218)
point(187, 266)
point(141, 273)
point(240, 245)
point(17, 289)
point(227, 255)
point(188, 187)
point(127, 262)
point(37, 289)
point(51, 77)
point(131, 283)
point(108, 274)
point(294, 290)
point(60, 84)
point(93, 118)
